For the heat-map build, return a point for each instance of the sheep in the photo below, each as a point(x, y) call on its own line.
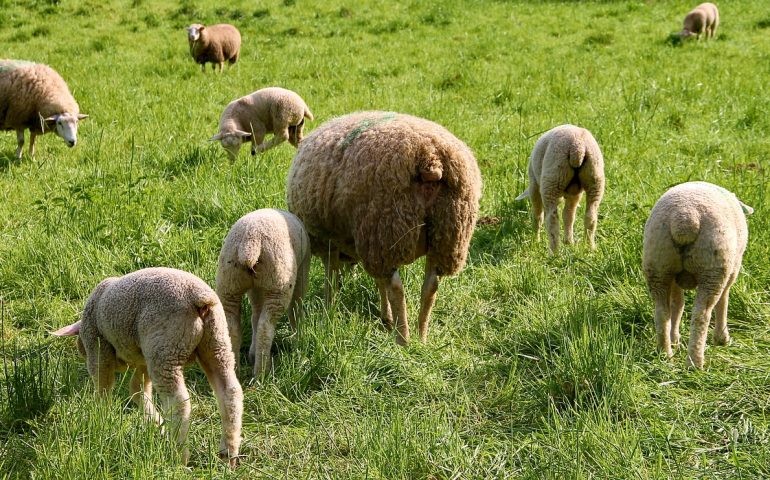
point(33, 96)
point(695, 237)
point(267, 254)
point(157, 320)
point(384, 189)
point(216, 44)
point(702, 19)
point(269, 110)
point(565, 162)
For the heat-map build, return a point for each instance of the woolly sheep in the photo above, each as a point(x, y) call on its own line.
point(702, 19)
point(33, 96)
point(157, 320)
point(384, 189)
point(695, 237)
point(269, 110)
point(216, 44)
point(267, 254)
point(565, 162)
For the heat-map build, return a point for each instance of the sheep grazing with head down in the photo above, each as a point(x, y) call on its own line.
point(565, 162)
point(33, 96)
point(384, 189)
point(157, 320)
point(267, 255)
point(695, 238)
point(703, 19)
point(215, 44)
point(269, 110)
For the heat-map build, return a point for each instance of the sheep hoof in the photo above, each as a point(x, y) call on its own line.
point(722, 340)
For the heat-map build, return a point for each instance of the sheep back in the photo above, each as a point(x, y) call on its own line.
point(386, 188)
point(31, 91)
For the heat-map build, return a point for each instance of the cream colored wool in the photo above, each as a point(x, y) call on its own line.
point(384, 189)
point(695, 238)
point(33, 96)
point(565, 162)
point(157, 320)
point(269, 110)
point(215, 44)
point(267, 255)
point(703, 19)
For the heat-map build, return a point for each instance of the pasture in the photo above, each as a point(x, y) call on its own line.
point(535, 367)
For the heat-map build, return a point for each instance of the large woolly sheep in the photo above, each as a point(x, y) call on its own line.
point(269, 110)
point(384, 189)
point(267, 255)
point(702, 19)
point(157, 320)
point(695, 237)
point(33, 96)
point(565, 162)
point(216, 44)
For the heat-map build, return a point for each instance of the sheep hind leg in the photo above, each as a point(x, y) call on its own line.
point(278, 137)
point(591, 219)
point(229, 395)
point(552, 223)
point(398, 303)
point(677, 308)
point(274, 305)
point(232, 307)
point(568, 217)
point(427, 299)
point(256, 298)
point(141, 394)
point(721, 335)
point(385, 312)
point(20, 143)
point(332, 274)
point(661, 295)
point(537, 207)
point(32, 138)
point(175, 399)
point(300, 288)
point(706, 298)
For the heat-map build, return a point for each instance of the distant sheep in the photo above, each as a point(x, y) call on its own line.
point(695, 237)
point(157, 320)
point(216, 44)
point(267, 255)
point(565, 162)
point(269, 110)
point(384, 189)
point(33, 96)
point(702, 19)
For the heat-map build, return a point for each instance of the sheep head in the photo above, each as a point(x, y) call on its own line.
point(65, 125)
point(232, 141)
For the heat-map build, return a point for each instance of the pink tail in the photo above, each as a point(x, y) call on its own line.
point(68, 331)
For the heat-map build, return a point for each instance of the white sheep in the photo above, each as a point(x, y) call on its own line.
point(695, 237)
point(157, 320)
point(33, 96)
point(702, 19)
point(269, 110)
point(267, 255)
point(565, 162)
point(216, 44)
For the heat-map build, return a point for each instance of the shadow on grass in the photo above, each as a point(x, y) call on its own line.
point(8, 160)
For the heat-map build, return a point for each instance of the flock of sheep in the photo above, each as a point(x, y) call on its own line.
point(376, 188)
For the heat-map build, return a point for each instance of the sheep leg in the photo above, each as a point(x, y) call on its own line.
point(721, 335)
point(705, 300)
point(568, 217)
point(552, 223)
point(141, 394)
point(169, 382)
point(20, 142)
point(677, 308)
point(274, 305)
point(32, 137)
point(398, 303)
point(332, 270)
point(278, 137)
point(427, 298)
point(203, 67)
point(218, 367)
point(537, 207)
point(300, 288)
point(257, 300)
point(661, 295)
point(591, 218)
point(385, 312)
point(102, 363)
point(232, 307)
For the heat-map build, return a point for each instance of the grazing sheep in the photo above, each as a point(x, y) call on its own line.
point(33, 96)
point(702, 19)
point(384, 189)
point(267, 254)
point(216, 44)
point(157, 320)
point(565, 162)
point(695, 237)
point(269, 110)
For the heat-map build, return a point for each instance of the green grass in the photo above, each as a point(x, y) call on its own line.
point(536, 367)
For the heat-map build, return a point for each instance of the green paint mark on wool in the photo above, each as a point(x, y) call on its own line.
point(365, 125)
point(6, 65)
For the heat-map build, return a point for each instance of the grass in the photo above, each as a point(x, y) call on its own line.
point(536, 367)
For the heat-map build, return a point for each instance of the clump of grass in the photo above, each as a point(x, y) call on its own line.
point(599, 39)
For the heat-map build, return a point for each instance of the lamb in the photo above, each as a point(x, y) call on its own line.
point(384, 189)
point(565, 162)
point(216, 44)
point(695, 238)
point(269, 110)
point(33, 96)
point(267, 254)
point(157, 320)
point(702, 19)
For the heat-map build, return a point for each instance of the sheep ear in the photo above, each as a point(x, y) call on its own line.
point(82, 116)
point(201, 28)
point(51, 120)
point(68, 331)
point(243, 135)
point(216, 137)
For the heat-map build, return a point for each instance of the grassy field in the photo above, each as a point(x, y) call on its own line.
point(536, 367)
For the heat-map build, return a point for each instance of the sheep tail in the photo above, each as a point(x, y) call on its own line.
point(308, 114)
point(69, 330)
point(685, 227)
point(204, 302)
point(248, 253)
point(577, 153)
point(523, 195)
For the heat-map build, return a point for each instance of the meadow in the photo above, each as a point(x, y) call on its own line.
point(535, 367)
